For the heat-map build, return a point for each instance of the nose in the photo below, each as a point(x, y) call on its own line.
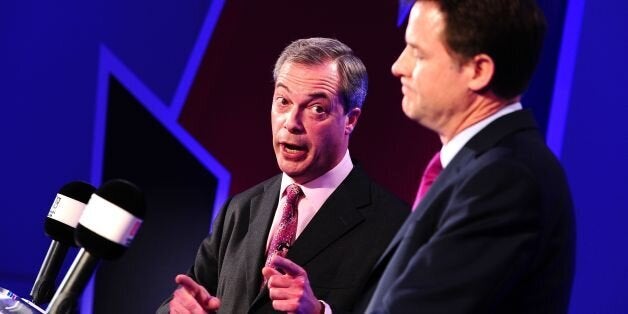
point(398, 68)
point(294, 120)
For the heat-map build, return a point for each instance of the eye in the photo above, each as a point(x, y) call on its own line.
point(318, 109)
point(280, 100)
point(417, 54)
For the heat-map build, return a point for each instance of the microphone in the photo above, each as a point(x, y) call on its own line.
point(107, 227)
point(62, 218)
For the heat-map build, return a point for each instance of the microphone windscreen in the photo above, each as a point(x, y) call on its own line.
point(78, 190)
point(125, 195)
point(66, 211)
point(111, 219)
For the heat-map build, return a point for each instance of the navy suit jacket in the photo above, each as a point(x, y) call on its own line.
point(338, 248)
point(494, 234)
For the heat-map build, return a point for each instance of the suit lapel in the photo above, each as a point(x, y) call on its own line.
point(482, 141)
point(262, 210)
point(337, 216)
point(440, 184)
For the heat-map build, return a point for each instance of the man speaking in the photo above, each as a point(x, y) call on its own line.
point(305, 240)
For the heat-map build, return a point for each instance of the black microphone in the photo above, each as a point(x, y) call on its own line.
point(59, 226)
point(107, 227)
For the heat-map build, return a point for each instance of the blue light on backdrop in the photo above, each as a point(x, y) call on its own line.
point(56, 59)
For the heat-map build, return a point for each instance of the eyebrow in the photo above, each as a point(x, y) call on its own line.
point(282, 85)
point(415, 45)
point(311, 96)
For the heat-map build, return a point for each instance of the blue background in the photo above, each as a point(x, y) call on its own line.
point(51, 55)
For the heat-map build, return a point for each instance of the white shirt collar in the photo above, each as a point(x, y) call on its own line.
point(449, 150)
point(315, 194)
point(331, 179)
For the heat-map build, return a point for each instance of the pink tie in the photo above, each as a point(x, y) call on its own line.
point(434, 167)
point(287, 229)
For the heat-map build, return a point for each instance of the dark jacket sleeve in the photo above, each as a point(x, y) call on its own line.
point(206, 265)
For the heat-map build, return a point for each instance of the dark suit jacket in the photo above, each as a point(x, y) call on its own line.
point(338, 248)
point(494, 234)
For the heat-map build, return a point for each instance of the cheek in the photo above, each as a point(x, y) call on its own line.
point(276, 122)
point(419, 79)
point(416, 72)
point(328, 138)
point(316, 136)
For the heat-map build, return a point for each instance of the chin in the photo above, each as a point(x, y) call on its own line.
point(411, 111)
point(291, 169)
point(406, 110)
point(406, 106)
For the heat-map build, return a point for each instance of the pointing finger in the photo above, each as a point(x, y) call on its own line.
point(287, 266)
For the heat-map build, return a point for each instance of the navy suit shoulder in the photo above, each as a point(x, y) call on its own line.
point(495, 233)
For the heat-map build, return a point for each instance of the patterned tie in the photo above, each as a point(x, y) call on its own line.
point(434, 167)
point(287, 229)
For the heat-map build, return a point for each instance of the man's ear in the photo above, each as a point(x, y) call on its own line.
point(352, 119)
point(482, 70)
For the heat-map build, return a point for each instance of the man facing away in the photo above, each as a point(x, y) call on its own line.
point(495, 232)
point(306, 240)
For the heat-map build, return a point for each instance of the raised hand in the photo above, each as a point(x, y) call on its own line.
point(290, 291)
point(192, 298)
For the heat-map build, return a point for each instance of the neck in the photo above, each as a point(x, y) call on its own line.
point(482, 106)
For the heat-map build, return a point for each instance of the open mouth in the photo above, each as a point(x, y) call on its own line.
point(290, 148)
point(293, 152)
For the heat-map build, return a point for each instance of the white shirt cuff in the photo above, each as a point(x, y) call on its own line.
point(327, 307)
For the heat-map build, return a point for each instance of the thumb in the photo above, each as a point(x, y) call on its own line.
point(267, 272)
point(212, 304)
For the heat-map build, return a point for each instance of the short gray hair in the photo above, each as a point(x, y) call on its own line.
point(317, 51)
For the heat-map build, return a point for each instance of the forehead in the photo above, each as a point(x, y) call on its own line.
point(426, 23)
point(303, 78)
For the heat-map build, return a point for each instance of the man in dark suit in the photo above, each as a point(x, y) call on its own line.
point(495, 232)
point(344, 220)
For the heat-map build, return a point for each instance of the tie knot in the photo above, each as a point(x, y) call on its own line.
point(434, 167)
point(293, 191)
